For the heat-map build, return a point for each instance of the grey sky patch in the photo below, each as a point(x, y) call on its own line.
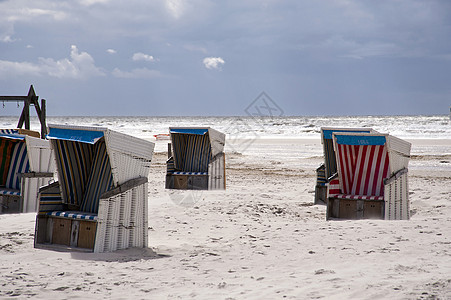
point(314, 57)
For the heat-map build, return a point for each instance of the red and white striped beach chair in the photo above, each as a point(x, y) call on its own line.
point(329, 168)
point(371, 179)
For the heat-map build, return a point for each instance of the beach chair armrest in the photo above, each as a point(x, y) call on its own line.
point(36, 174)
point(335, 175)
point(395, 176)
point(128, 185)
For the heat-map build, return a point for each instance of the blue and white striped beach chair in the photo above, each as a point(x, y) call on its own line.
point(26, 164)
point(196, 159)
point(100, 200)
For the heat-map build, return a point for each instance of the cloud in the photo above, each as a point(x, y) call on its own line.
point(29, 14)
point(175, 8)
point(111, 51)
point(92, 2)
point(7, 39)
point(213, 62)
point(136, 73)
point(78, 66)
point(141, 56)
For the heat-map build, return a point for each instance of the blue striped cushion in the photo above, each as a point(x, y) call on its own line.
point(11, 192)
point(19, 164)
point(74, 160)
point(73, 215)
point(190, 173)
point(9, 131)
point(100, 180)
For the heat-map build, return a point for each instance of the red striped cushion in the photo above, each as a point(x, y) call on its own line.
point(358, 197)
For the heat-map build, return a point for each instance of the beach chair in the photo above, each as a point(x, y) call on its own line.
point(329, 168)
point(99, 203)
point(371, 181)
point(26, 164)
point(196, 160)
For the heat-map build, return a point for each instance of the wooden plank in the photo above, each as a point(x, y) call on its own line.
point(61, 231)
point(87, 234)
point(13, 98)
point(124, 187)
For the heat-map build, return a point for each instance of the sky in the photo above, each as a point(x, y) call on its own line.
point(215, 58)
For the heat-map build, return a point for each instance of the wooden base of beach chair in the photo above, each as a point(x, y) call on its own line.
point(187, 182)
point(10, 204)
point(57, 232)
point(320, 195)
point(351, 209)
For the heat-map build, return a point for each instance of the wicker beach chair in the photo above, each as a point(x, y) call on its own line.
point(26, 164)
point(99, 203)
point(371, 181)
point(196, 160)
point(329, 168)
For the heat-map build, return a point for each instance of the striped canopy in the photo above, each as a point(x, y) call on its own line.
point(329, 153)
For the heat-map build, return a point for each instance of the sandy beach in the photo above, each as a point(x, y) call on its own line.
point(262, 238)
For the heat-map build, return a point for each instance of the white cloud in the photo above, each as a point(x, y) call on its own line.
point(213, 62)
point(136, 73)
point(12, 68)
point(78, 66)
point(29, 14)
point(7, 39)
point(175, 8)
point(111, 51)
point(92, 2)
point(141, 56)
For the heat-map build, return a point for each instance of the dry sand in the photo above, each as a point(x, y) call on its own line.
point(260, 239)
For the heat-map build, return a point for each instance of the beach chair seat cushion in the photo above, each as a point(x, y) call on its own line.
point(358, 197)
point(190, 173)
point(9, 192)
point(73, 215)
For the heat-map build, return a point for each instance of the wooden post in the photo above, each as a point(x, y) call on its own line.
point(42, 119)
point(169, 150)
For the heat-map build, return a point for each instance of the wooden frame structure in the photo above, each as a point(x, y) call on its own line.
point(30, 100)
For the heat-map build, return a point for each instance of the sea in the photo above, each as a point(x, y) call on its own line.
point(267, 137)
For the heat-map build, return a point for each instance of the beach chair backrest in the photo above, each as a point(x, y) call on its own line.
point(191, 150)
point(19, 164)
point(328, 147)
point(74, 163)
point(363, 163)
point(6, 147)
point(100, 179)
